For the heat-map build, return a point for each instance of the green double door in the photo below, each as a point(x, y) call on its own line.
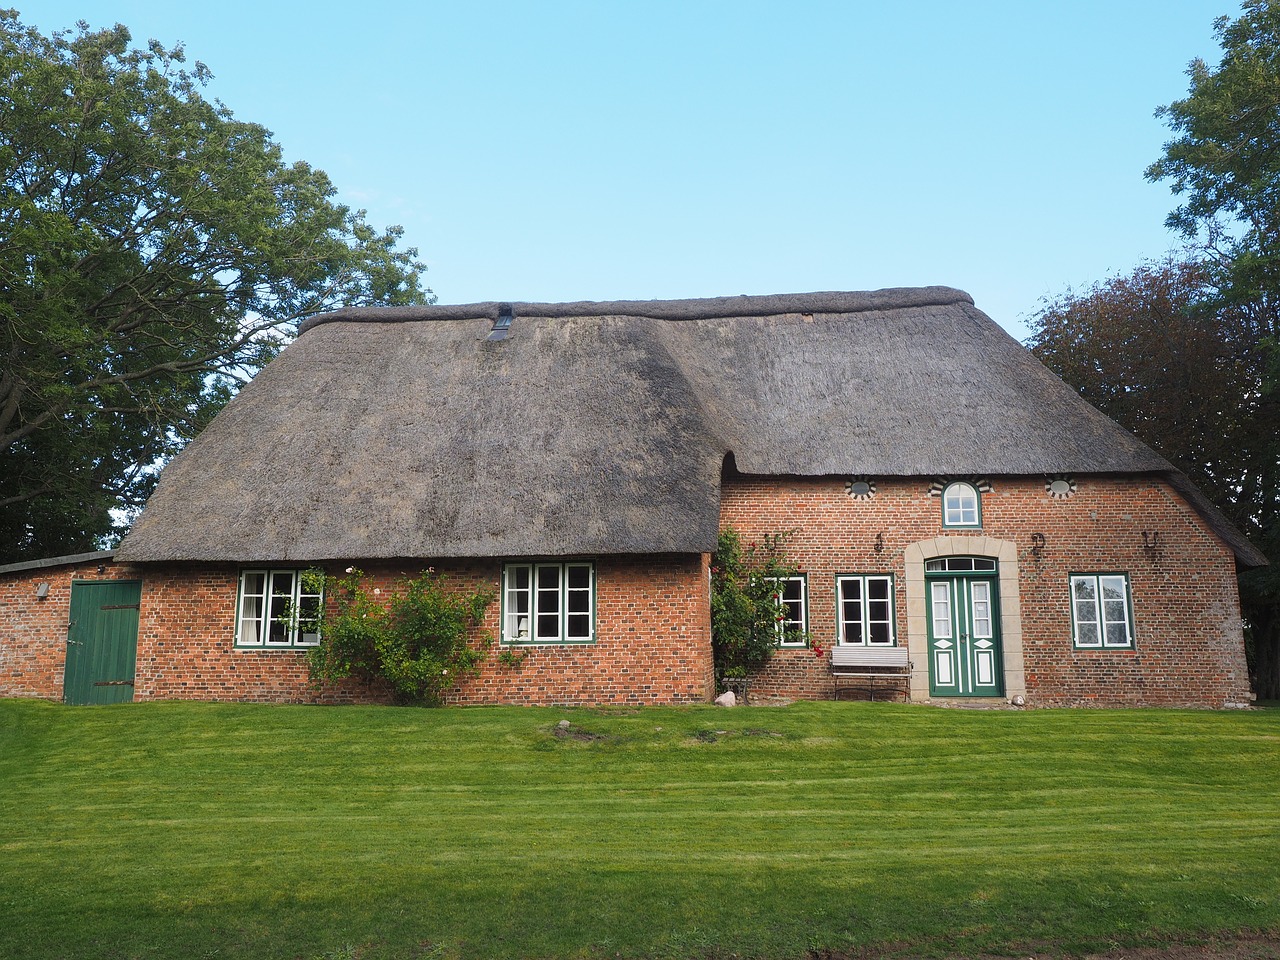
point(965, 656)
point(102, 641)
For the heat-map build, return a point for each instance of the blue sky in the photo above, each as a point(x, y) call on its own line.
point(593, 151)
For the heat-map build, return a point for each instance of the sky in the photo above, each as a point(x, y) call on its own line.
point(555, 151)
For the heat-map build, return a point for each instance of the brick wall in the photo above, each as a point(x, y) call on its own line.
point(1188, 651)
point(652, 613)
point(652, 644)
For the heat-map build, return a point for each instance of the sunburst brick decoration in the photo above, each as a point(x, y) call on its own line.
point(860, 488)
point(1060, 486)
point(982, 484)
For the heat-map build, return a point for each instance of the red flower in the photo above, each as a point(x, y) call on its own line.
point(817, 651)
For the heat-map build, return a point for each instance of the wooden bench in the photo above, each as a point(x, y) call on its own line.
point(869, 662)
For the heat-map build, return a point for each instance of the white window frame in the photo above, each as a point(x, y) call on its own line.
point(865, 622)
point(1092, 617)
point(276, 605)
point(796, 623)
point(541, 606)
point(956, 510)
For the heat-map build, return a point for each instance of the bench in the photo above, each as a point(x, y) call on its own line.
point(869, 662)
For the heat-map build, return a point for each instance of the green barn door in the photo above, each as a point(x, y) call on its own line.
point(965, 658)
point(102, 641)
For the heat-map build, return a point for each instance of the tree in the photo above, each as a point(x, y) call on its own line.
point(1225, 161)
point(155, 252)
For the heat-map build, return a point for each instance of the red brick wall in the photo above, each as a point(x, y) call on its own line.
point(1189, 649)
point(33, 632)
point(652, 613)
point(652, 646)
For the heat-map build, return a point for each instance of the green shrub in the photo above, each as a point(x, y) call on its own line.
point(746, 604)
point(416, 640)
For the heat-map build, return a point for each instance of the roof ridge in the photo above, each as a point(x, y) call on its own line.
point(707, 308)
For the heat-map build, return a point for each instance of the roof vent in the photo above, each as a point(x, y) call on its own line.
point(501, 326)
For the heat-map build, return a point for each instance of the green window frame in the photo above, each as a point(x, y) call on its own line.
point(548, 602)
point(793, 595)
point(961, 505)
point(1101, 611)
point(275, 610)
point(866, 611)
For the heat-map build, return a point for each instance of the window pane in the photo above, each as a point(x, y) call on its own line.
point(548, 626)
point(1084, 588)
point(579, 577)
point(251, 607)
point(851, 611)
point(981, 610)
point(548, 578)
point(579, 627)
point(1117, 634)
point(880, 634)
point(253, 604)
point(516, 626)
point(941, 611)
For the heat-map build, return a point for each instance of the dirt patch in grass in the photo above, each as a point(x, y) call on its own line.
point(565, 730)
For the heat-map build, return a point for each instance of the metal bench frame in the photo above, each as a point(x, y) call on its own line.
point(870, 662)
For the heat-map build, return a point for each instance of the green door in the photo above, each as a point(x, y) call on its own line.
point(965, 658)
point(102, 641)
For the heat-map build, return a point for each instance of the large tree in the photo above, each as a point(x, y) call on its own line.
point(154, 253)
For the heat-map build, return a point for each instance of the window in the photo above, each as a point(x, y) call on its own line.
point(792, 594)
point(866, 610)
point(1101, 616)
point(960, 565)
point(961, 506)
point(277, 609)
point(548, 603)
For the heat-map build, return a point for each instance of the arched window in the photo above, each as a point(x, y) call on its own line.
point(961, 505)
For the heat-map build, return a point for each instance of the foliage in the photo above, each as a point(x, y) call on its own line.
point(513, 658)
point(157, 252)
point(746, 605)
point(1225, 162)
point(183, 830)
point(417, 640)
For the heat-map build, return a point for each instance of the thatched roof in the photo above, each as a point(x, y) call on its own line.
point(604, 427)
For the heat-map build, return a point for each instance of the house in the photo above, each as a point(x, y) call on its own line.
point(941, 490)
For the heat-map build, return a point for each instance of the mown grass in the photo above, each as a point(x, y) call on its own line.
point(219, 830)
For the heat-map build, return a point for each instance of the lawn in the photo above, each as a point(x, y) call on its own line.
point(223, 830)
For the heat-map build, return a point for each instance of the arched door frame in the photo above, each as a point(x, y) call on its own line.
point(1005, 552)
